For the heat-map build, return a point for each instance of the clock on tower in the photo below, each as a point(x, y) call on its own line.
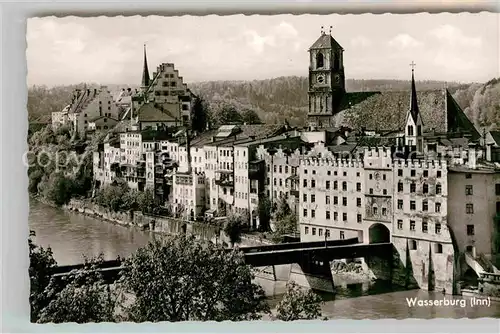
point(326, 80)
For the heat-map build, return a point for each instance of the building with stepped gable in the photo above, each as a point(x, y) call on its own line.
point(426, 180)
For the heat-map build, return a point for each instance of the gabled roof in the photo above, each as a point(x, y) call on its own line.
point(100, 117)
point(495, 135)
point(326, 41)
point(457, 120)
point(149, 113)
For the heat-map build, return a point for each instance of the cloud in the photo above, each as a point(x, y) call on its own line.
point(279, 35)
point(454, 36)
point(361, 42)
point(404, 41)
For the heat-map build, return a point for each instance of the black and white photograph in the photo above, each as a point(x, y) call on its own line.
point(263, 167)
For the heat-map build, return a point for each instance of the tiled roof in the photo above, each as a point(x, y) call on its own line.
point(326, 41)
point(99, 117)
point(388, 110)
point(149, 113)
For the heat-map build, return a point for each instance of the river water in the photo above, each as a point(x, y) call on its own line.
point(71, 236)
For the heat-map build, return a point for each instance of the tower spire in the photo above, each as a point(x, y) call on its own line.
point(413, 102)
point(145, 71)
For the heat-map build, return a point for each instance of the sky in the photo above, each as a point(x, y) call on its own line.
point(109, 50)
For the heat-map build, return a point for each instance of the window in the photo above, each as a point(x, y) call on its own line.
point(313, 198)
point(384, 212)
point(345, 173)
point(274, 181)
point(313, 183)
point(412, 173)
point(328, 173)
point(413, 244)
point(426, 173)
point(498, 208)
point(274, 167)
point(438, 248)
point(371, 191)
point(425, 205)
point(468, 190)
point(400, 172)
point(357, 174)
point(327, 233)
point(344, 216)
point(412, 205)
point(358, 202)
point(358, 186)
point(335, 185)
point(470, 229)
point(319, 60)
point(335, 200)
point(400, 204)
point(286, 169)
point(305, 183)
point(497, 189)
point(469, 208)
point(320, 232)
point(400, 186)
point(281, 169)
point(468, 176)
point(359, 218)
point(313, 213)
point(327, 184)
point(384, 191)
point(413, 187)
point(314, 172)
point(314, 231)
point(306, 230)
point(305, 212)
point(425, 227)
point(342, 236)
point(412, 225)
point(344, 186)
point(327, 199)
point(400, 224)
point(304, 198)
point(437, 228)
point(437, 207)
point(410, 130)
point(425, 188)
point(375, 210)
point(344, 201)
point(438, 174)
point(328, 215)
point(438, 189)
point(335, 215)
point(371, 177)
point(305, 171)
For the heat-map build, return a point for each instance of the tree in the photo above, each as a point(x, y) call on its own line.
point(249, 116)
point(226, 114)
point(58, 189)
point(82, 296)
point(264, 209)
point(233, 228)
point(40, 271)
point(200, 115)
point(181, 279)
point(282, 209)
point(298, 304)
point(146, 201)
point(284, 226)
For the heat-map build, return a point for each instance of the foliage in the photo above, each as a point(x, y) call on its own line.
point(35, 176)
point(82, 296)
point(146, 201)
point(282, 209)
point(225, 114)
point(41, 264)
point(249, 116)
point(200, 115)
point(233, 228)
point(298, 304)
point(264, 209)
point(284, 226)
point(179, 279)
point(58, 189)
point(221, 208)
point(116, 197)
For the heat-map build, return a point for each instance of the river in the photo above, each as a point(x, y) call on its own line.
point(71, 235)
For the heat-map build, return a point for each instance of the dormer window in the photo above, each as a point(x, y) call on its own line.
point(410, 130)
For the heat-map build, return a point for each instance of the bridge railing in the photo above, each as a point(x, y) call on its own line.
point(298, 245)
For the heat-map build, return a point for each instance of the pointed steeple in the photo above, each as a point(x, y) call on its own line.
point(145, 72)
point(413, 101)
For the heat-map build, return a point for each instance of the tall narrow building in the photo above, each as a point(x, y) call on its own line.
point(326, 81)
point(414, 125)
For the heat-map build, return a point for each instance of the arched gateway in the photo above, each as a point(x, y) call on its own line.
point(379, 233)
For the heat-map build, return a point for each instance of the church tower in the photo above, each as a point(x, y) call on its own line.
point(326, 80)
point(145, 73)
point(414, 125)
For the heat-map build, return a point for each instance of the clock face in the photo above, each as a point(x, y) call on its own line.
point(320, 79)
point(377, 176)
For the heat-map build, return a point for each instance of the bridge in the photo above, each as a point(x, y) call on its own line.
point(307, 254)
